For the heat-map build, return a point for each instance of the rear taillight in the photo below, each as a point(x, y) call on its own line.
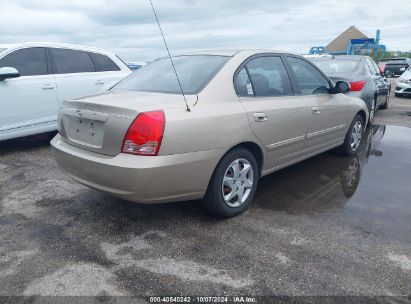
point(145, 134)
point(357, 85)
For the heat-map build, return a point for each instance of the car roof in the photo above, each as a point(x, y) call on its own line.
point(234, 52)
point(7, 46)
point(341, 57)
point(56, 45)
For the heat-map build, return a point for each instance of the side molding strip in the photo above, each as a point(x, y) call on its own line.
point(325, 131)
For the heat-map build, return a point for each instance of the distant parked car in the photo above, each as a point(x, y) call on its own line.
point(363, 75)
point(397, 66)
point(135, 65)
point(35, 78)
point(383, 62)
point(252, 113)
point(403, 86)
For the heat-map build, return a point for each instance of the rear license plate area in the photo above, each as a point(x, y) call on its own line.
point(85, 131)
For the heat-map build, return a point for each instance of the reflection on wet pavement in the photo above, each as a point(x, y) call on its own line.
point(371, 182)
point(323, 182)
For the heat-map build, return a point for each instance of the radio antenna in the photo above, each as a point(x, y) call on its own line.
point(169, 56)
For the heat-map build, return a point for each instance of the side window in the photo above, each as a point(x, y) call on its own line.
point(376, 68)
point(242, 84)
point(28, 62)
point(103, 63)
point(269, 77)
point(309, 79)
point(72, 61)
point(370, 67)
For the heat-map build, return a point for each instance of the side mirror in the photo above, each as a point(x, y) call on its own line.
point(342, 87)
point(7, 72)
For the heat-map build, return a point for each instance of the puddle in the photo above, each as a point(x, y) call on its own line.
point(373, 184)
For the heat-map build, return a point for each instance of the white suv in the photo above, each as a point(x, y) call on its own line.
point(35, 78)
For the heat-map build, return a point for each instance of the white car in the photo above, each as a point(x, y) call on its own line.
point(403, 86)
point(35, 79)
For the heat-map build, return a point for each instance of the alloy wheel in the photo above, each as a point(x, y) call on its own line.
point(237, 182)
point(356, 135)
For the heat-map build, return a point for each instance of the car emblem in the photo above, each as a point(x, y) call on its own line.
point(79, 113)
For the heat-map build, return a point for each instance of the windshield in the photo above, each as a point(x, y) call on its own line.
point(397, 61)
point(193, 71)
point(336, 65)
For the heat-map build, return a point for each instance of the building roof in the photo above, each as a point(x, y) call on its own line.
point(340, 43)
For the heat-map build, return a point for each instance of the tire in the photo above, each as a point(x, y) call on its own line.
point(214, 200)
point(398, 95)
point(387, 101)
point(347, 148)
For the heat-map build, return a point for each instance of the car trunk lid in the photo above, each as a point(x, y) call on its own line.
point(99, 123)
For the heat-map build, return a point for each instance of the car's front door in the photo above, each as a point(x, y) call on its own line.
point(328, 113)
point(30, 99)
point(277, 117)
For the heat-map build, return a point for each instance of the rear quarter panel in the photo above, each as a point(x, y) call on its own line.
point(207, 126)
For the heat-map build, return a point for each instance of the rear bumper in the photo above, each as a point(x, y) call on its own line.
point(143, 179)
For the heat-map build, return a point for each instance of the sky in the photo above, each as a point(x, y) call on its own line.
point(128, 27)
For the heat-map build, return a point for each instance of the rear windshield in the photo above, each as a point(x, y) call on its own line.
point(332, 66)
point(193, 71)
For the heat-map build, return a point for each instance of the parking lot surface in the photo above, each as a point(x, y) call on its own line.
point(330, 225)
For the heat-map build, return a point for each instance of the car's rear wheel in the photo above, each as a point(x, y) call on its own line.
point(233, 184)
point(353, 137)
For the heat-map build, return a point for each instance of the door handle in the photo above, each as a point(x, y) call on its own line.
point(48, 86)
point(260, 117)
point(98, 82)
point(316, 110)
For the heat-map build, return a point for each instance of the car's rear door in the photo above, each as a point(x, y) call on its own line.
point(277, 117)
point(108, 72)
point(31, 99)
point(328, 113)
point(80, 73)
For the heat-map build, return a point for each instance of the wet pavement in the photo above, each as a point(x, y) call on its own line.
point(330, 225)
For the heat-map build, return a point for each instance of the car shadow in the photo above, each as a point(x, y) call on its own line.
point(25, 143)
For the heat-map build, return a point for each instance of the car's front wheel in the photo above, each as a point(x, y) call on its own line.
point(353, 137)
point(233, 184)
